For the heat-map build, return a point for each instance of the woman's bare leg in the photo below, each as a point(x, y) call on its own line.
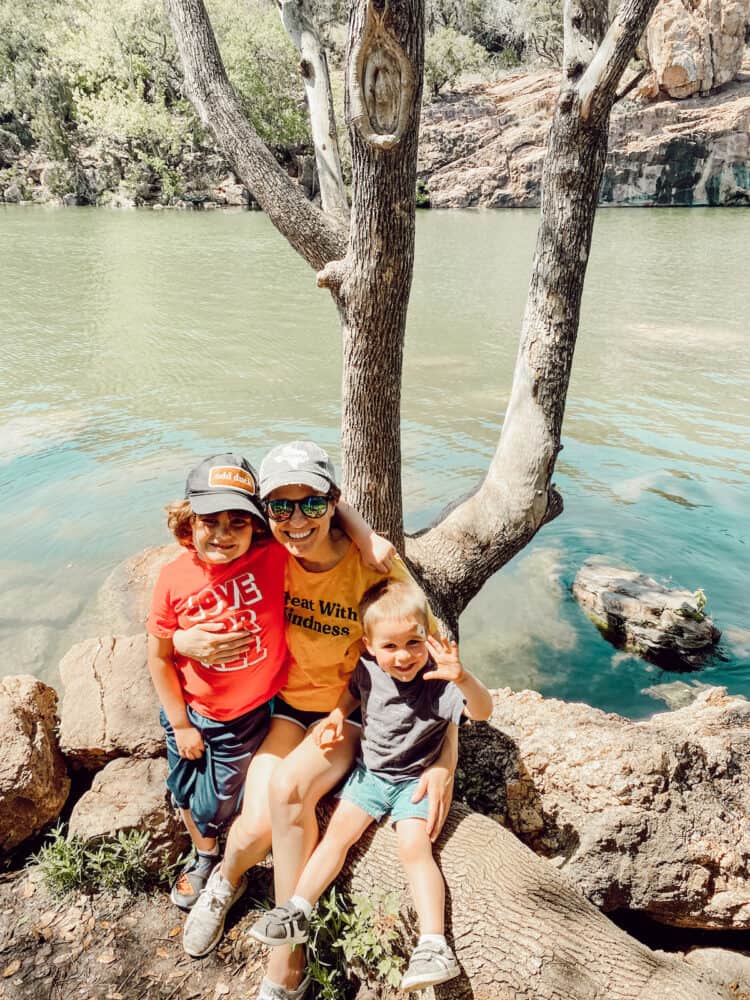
point(249, 839)
point(298, 784)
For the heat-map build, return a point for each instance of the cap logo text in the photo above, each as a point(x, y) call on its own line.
point(231, 477)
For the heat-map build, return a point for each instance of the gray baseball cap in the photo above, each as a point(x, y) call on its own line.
point(224, 482)
point(299, 463)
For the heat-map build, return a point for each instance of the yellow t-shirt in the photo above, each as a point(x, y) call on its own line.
point(322, 628)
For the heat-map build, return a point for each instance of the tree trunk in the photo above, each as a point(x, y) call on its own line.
point(521, 930)
point(371, 285)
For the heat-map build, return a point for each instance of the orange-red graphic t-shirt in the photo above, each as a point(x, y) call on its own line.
point(247, 593)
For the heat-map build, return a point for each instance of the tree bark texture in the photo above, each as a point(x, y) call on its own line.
point(317, 237)
point(470, 542)
point(299, 24)
point(520, 929)
point(371, 285)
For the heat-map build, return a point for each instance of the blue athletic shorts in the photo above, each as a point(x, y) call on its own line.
point(283, 710)
point(378, 796)
point(211, 787)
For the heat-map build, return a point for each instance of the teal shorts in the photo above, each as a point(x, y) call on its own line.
point(377, 796)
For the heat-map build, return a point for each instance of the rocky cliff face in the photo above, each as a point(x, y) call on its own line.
point(485, 149)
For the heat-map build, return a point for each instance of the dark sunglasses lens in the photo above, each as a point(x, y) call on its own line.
point(280, 510)
point(314, 506)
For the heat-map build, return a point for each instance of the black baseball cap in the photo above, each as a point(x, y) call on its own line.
point(224, 482)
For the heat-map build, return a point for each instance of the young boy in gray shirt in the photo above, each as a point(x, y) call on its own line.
point(411, 686)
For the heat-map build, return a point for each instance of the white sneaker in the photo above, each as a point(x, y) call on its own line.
point(272, 991)
point(430, 964)
point(205, 923)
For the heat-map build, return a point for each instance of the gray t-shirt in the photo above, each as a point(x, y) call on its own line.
point(403, 724)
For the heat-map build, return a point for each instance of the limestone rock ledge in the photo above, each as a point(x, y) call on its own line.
point(651, 816)
point(485, 148)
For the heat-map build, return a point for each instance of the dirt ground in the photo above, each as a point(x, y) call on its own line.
point(118, 947)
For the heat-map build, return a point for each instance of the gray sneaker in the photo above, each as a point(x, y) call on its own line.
point(192, 880)
point(271, 991)
point(284, 924)
point(205, 923)
point(430, 964)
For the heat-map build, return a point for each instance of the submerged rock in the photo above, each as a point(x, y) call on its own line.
point(34, 781)
point(662, 624)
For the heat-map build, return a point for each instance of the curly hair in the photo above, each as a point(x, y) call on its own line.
point(180, 517)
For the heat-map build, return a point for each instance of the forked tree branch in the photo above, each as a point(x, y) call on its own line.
point(455, 557)
point(317, 237)
point(300, 25)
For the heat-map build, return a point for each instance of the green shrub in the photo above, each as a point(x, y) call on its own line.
point(448, 54)
point(69, 864)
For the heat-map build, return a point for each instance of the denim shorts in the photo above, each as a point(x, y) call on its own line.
point(283, 710)
point(378, 796)
point(212, 786)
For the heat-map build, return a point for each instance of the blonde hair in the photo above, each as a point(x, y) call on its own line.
point(393, 600)
point(180, 518)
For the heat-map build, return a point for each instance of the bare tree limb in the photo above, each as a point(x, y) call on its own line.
point(317, 237)
point(631, 84)
point(300, 25)
point(599, 83)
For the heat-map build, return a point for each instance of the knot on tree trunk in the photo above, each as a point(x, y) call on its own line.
point(332, 275)
point(381, 83)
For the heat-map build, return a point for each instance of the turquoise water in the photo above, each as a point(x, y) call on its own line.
point(136, 343)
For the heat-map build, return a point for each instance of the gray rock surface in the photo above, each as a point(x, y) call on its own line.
point(34, 781)
point(122, 602)
point(130, 794)
point(732, 966)
point(651, 816)
point(663, 624)
point(109, 706)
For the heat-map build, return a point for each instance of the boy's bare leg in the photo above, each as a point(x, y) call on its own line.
point(347, 825)
point(201, 843)
point(425, 881)
point(299, 782)
point(249, 839)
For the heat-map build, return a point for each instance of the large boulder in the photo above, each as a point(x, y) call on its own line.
point(651, 816)
point(122, 602)
point(696, 47)
point(34, 781)
point(109, 706)
point(130, 794)
point(666, 625)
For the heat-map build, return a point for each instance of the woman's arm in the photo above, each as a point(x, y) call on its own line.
point(209, 643)
point(377, 552)
point(169, 691)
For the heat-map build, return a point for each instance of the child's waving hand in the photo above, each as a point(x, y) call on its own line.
point(448, 666)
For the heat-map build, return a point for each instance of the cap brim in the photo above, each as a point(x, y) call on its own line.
point(214, 503)
point(310, 479)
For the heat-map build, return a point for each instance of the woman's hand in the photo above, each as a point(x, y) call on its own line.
point(189, 742)
point(378, 553)
point(209, 643)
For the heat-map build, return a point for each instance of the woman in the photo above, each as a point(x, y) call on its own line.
point(326, 578)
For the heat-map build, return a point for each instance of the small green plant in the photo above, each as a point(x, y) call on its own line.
point(355, 936)
point(121, 862)
point(423, 194)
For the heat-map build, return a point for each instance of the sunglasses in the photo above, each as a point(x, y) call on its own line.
point(282, 510)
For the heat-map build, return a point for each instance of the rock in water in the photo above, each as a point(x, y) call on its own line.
point(34, 781)
point(664, 625)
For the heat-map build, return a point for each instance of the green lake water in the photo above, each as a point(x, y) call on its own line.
point(136, 343)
